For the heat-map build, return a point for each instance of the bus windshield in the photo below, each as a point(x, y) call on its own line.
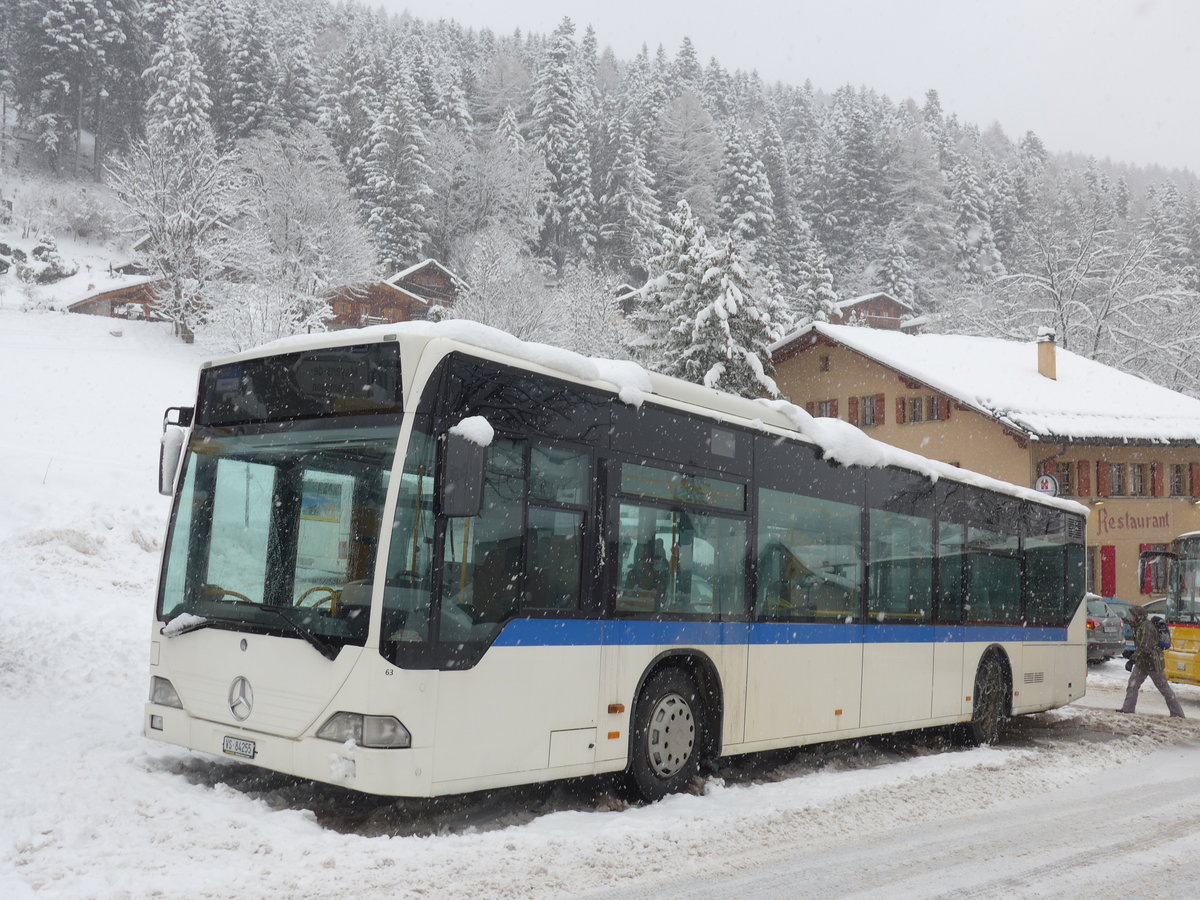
point(276, 530)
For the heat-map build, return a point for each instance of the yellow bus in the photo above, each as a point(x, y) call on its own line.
point(1182, 607)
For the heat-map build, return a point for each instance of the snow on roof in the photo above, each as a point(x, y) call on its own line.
point(854, 301)
point(404, 273)
point(1088, 401)
point(837, 440)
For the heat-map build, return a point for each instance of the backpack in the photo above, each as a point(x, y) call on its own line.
point(1164, 633)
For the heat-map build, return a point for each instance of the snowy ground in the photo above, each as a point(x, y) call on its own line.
point(92, 810)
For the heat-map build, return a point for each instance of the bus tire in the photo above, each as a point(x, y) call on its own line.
point(666, 736)
point(989, 710)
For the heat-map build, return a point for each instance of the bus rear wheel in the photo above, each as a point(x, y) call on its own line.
point(666, 738)
point(989, 704)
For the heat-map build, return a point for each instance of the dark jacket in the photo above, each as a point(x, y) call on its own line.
point(1147, 655)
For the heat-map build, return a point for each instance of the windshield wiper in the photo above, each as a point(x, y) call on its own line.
point(176, 627)
point(195, 623)
point(326, 649)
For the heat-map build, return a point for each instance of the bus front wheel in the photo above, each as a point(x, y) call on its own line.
point(989, 704)
point(666, 738)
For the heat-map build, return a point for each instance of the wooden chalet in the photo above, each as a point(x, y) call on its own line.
point(126, 301)
point(406, 296)
point(879, 310)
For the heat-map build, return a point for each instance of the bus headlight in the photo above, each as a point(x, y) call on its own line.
point(366, 731)
point(163, 693)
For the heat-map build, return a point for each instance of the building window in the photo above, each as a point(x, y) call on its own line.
point(933, 409)
point(1152, 571)
point(1116, 479)
point(1066, 484)
point(1180, 483)
point(1139, 485)
point(827, 408)
point(869, 413)
point(915, 409)
point(824, 363)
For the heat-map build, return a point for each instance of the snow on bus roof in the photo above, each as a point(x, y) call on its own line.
point(838, 440)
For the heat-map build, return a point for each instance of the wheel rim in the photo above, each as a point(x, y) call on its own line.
point(670, 735)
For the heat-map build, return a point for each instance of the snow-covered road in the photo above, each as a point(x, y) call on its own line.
point(1078, 801)
point(1092, 831)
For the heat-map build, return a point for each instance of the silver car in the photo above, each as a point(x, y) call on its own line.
point(1105, 631)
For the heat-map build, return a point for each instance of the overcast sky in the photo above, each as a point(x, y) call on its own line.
point(1115, 78)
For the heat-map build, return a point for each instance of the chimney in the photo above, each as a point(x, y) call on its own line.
point(1046, 353)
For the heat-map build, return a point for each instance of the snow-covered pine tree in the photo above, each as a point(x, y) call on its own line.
point(177, 108)
point(978, 258)
point(451, 104)
point(568, 231)
point(396, 194)
point(294, 94)
point(690, 156)
point(69, 58)
point(894, 274)
point(672, 287)
point(686, 72)
point(629, 210)
point(723, 341)
point(816, 299)
point(744, 197)
point(349, 109)
point(510, 132)
point(250, 70)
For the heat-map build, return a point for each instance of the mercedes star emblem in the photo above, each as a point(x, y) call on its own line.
point(241, 698)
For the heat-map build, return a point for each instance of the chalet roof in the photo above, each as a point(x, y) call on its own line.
point(413, 269)
point(1088, 402)
point(98, 285)
point(854, 301)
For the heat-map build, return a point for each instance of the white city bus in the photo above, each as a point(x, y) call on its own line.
point(541, 566)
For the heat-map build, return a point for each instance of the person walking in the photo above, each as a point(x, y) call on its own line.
point(1147, 663)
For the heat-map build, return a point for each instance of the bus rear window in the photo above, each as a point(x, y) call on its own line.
point(330, 382)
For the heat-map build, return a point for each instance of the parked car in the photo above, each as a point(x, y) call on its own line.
point(1105, 630)
point(1121, 608)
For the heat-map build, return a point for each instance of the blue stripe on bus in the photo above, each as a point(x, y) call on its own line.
point(587, 632)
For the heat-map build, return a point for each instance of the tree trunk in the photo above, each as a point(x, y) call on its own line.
point(97, 143)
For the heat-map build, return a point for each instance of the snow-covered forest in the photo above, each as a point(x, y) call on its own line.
point(275, 150)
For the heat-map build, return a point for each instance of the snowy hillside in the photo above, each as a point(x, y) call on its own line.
point(93, 810)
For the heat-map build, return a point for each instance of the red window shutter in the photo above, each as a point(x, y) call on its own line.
point(943, 408)
point(1195, 473)
point(1083, 481)
point(811, 408)
point(1047, 467)
point(852, 410)
point(879, 413)
point(1147, 584)
point(1108, 571)
point(1156, 479)
point(833, 411)
point(900, 420)
point(1102, 483)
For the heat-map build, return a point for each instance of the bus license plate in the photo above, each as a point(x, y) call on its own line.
point(238, 747)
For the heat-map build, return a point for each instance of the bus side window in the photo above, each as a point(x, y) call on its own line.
point(809, 550)
point(559, 483)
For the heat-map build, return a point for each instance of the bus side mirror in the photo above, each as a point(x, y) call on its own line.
point(170, 452)
point(170, 448)
point(462, 476)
